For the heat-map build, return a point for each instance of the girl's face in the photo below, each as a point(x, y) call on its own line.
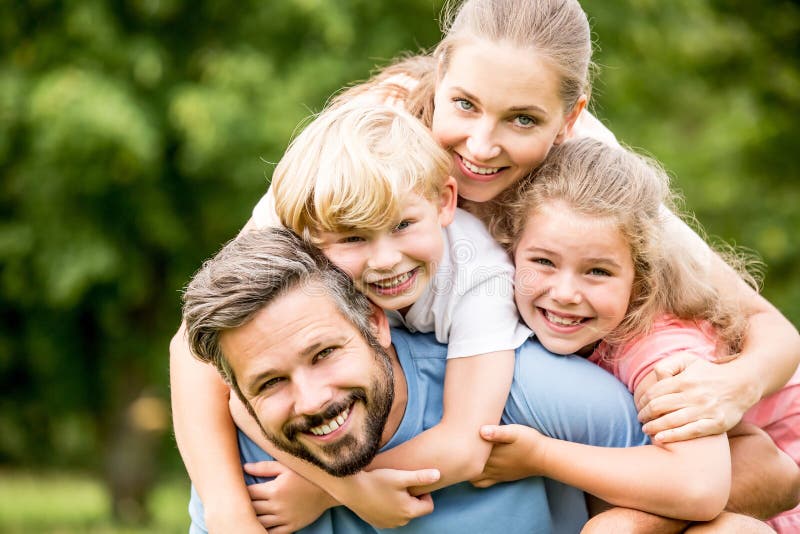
point(498, 111)
point(573, 279)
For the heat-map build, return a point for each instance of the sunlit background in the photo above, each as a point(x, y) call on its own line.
point(136, 135)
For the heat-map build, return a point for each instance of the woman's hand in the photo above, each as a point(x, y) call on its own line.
point(693, 398)
point(516, 453)
point(288, 502)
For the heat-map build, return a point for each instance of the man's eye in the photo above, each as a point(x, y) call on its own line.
point(324, 353)
point(271, 383)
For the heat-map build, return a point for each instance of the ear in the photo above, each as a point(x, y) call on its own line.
point(380, 326)
point(448, 198)
point(569, 120)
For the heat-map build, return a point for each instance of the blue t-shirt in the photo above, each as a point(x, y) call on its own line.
point(564, 397)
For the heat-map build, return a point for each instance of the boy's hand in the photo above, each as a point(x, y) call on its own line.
point(381, 498)
point(288, 502)
point(514, 454)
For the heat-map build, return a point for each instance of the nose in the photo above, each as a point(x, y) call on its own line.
point(384, 254)
point(311, 393)
point(565, 290)
point(482, 143)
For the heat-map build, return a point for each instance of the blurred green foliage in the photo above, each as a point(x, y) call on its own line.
point(136, 135)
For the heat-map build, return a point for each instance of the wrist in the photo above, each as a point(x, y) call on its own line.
point(221, 518)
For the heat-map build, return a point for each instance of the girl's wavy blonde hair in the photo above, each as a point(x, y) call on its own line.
point(558, 30)
point(350, 168)
point(672, 274)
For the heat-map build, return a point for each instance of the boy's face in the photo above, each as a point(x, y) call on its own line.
point(394, 266)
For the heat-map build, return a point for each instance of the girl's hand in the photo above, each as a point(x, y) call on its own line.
point(516, 453)
point(288, 502)
point(694, 398)
point(381, 498)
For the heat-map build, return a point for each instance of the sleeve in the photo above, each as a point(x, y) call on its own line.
point(264, 215)
point(485, 319)
point(636, 359)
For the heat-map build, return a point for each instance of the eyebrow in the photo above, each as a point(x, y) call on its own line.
point(531, 107)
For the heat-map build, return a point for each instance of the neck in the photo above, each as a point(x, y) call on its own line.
point(400, 398)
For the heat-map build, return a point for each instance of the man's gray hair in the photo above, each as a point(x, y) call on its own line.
point(249, 273)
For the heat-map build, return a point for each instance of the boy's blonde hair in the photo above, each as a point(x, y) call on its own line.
point(670, 275)
point(351, 166)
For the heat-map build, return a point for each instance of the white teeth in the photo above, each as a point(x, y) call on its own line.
point(330, 426)
point(389, 283)
point(562, 320)
point(479, 170)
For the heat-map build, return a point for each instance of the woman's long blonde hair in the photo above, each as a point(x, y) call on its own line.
point(672, 276)
point(558, 30)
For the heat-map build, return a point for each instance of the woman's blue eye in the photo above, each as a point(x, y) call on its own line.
point(525, 120)
point(463, 104)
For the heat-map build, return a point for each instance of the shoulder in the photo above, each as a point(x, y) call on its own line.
point(417, 346)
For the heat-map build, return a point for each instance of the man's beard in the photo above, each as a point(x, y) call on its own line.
point(348, 454)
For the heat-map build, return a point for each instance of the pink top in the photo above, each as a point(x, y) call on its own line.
point(778, 414)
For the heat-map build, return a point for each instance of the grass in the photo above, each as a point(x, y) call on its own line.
point(70, 503)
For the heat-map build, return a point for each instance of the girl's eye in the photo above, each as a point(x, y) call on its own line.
point(463, 104)
point(402, 226)
point(599, 272)
point(543, 261)
point(525, 121)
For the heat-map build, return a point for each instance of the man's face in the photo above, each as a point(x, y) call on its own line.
point(317, 388)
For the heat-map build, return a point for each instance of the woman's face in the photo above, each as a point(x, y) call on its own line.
point(498, 112)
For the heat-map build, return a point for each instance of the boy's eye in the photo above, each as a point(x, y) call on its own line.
point(351, 239)
point(525, 120)
point(463, 104)
point(402, 226)
point(599, 272)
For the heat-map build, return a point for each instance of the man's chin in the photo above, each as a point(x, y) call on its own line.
point(344, 458)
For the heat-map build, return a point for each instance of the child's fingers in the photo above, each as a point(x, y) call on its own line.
point(264, 469)
point(421, 477)
point(499, 433)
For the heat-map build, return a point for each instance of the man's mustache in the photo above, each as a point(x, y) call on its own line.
point(307, 422)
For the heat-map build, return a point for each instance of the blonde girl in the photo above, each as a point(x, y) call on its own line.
point(508, 81)
point(603, 271)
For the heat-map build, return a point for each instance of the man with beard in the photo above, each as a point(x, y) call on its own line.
point(317, 368)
